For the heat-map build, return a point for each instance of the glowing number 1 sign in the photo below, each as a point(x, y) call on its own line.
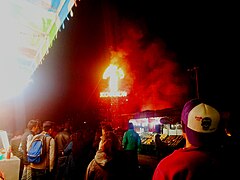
point(114, 74)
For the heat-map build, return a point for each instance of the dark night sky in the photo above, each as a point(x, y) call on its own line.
point(162, 42)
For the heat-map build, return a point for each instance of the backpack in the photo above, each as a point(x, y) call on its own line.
point(37, 149)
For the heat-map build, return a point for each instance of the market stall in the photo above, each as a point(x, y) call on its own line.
point(10, 167)
point(169, 131)
point(9, 164)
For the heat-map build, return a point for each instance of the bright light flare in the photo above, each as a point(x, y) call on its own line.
point(114, 73)
point(12, 77)
point(28, 28)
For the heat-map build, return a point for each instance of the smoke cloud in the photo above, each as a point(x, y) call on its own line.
point(153, 79)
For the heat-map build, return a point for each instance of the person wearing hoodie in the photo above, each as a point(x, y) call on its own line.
point(105, 165)
point(131, 143)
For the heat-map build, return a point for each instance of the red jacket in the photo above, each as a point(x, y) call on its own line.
point(188, 164)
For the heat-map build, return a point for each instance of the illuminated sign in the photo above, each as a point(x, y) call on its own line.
point(114, 74)
point(113, 94)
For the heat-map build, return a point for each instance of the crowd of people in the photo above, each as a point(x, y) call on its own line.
point(83, 153)
point(110, 154)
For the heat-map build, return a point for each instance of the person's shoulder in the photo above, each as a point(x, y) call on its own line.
point(26, 132)
point(49, 138)
point(171, 159)
point(25, 135)
point(58, 135)
point(29, 137)
point(168, 166)
point(136, 132)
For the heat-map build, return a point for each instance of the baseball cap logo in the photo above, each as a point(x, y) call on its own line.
point(206, 123)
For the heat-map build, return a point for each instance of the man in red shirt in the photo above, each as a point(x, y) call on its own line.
point(199, 159)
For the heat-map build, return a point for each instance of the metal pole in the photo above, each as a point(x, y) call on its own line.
point(195, 69)
point(196, 76)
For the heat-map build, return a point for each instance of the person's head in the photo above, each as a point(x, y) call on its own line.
point(33, 125)
point(200, 123)
point(67, 126)
point(48, 126)
point(130, 125)
point(106, 128)
point(109, 143)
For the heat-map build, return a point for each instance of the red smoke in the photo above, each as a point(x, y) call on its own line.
point(152, 78)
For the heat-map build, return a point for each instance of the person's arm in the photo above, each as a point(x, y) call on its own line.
point(2, 175)
point(68, 149)
point(51, 154)
point(139, 143)
point(29, 139)
point(124, 140)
